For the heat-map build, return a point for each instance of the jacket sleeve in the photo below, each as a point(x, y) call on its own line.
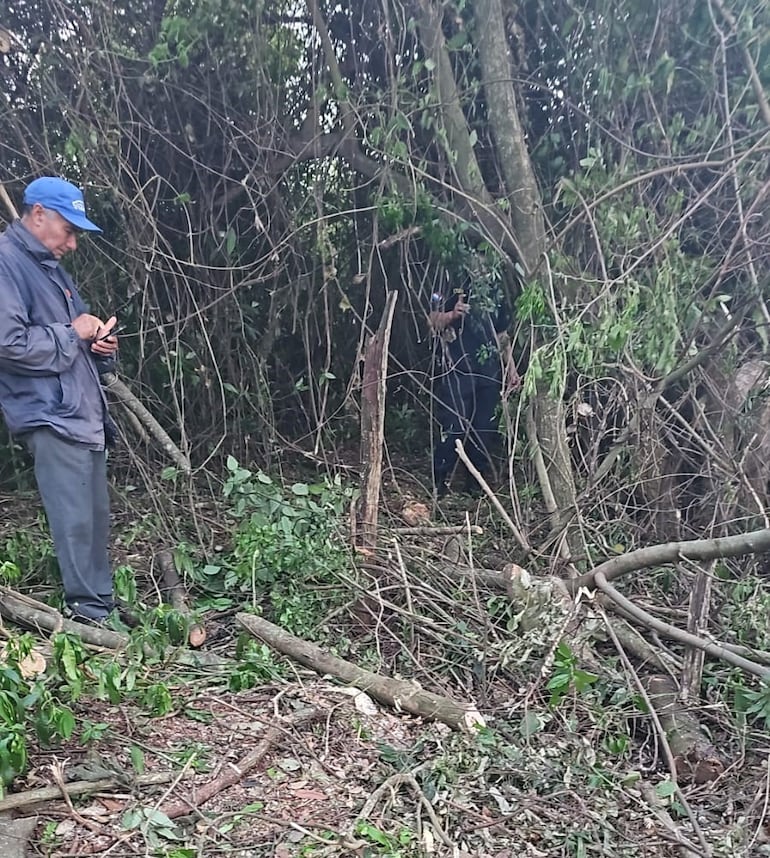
point(27, 349)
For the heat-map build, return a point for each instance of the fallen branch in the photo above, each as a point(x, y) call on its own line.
point(232, 774)
point(398, 693)
point(36, 796)
point(174, 593)
point(40, 617)
point(672, 633)
point(43, 619)
point(755, 542)
point(126, 398)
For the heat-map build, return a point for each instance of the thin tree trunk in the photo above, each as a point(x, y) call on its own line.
point(373, 422)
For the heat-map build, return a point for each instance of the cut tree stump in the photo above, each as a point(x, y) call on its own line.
point(697, 622)
point(174, 594)
point(697, 760)
point(398, 693)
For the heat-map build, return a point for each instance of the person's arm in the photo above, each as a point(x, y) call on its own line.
point(439, 320)
point(28, 349)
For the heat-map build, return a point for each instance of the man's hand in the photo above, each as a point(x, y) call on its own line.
point(105, 345)
point(87, 326)
point(90, 328)
point(461, 309)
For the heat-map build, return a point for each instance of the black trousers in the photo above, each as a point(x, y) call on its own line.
point(466, 411)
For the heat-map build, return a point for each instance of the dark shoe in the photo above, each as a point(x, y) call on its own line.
point(442, 489)
point(99, 622)
point(125, 615)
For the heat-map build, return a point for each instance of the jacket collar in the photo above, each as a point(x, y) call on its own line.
point(21, 235)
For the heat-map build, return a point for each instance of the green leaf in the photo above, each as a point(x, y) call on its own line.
point(137, 759)
point(530, 724)
point(665, 789)
point(300, 489)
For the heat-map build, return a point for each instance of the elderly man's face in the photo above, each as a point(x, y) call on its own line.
point(51, 230)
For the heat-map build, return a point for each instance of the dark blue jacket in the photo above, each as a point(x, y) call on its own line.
point(48, 375)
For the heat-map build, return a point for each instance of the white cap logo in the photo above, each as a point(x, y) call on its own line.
point(78, 204)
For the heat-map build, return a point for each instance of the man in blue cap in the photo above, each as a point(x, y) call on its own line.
point(52, 351)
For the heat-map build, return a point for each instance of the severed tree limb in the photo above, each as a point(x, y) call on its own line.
point(35, 796)
point(754, 542)
point(43, 619)
point(476, 474)
point(739, 656)
point(373, 422)
point(128, 400)
point(714, 649)
point(40, 617)
point(232, 774)
point(398, 693)
point(174, 593)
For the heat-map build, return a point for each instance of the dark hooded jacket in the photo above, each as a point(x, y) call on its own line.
point(48, 375)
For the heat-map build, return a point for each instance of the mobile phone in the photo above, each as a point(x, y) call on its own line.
point(116, 329)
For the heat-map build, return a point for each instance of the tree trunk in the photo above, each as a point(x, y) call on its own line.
point(373, 422)
point(399, 693)
point(696, 759)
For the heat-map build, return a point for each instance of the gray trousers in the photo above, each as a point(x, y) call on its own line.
point(73, 486)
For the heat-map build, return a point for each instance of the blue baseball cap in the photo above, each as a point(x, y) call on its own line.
point(62, 197)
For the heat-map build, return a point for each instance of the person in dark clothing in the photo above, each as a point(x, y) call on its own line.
point(52, 351)
point(475, 357)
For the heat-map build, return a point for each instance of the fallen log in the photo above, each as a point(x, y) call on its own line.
point(16, 800)
point(174, 594)
point(43, 619)
point(399, 693)
point(39, 617)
